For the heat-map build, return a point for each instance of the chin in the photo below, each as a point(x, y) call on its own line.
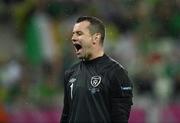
point(80, 57)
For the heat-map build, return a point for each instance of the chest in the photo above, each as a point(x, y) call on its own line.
point(88, 82)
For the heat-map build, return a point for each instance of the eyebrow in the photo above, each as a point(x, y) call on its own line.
point(76, 32)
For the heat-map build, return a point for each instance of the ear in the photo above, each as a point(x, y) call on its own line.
point(96, 38)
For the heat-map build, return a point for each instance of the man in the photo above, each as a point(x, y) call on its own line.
point(97, 89)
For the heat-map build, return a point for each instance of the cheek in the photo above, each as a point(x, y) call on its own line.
point(87, 42)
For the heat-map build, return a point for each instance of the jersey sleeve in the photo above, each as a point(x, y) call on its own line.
point(121, 95)
point(65, 112)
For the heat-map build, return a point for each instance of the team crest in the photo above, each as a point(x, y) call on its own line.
point(95, 81)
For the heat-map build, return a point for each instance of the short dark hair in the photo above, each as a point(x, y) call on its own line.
point(96, 25)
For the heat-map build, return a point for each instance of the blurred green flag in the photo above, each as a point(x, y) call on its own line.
point(33, 47)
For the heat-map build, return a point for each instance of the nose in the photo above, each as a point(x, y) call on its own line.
point(74, 38)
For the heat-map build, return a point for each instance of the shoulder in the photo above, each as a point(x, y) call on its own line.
point(118, 75)
point(116, 69)
point(116, 65)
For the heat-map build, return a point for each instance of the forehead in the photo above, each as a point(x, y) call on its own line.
point(81, 26)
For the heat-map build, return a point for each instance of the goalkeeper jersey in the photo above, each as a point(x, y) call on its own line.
point(97, 91)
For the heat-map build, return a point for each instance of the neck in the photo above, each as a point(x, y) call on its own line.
point(96, 53)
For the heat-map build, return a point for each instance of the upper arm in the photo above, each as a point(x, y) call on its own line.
point(121, 85)
point(121, 95)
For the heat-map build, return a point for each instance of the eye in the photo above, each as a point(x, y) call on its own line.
point(79, 33)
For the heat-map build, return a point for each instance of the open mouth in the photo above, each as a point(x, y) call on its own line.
point(77, 47)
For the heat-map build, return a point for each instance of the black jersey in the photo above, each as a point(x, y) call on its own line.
point(97, 91)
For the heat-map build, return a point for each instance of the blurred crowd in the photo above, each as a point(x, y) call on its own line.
point(35, 48)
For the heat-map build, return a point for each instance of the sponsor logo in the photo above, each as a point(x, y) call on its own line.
point(72, 80)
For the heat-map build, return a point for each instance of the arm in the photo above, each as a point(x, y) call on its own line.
point(64, 116)
point(121, 95)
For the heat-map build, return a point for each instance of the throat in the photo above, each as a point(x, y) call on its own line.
point(93, 56)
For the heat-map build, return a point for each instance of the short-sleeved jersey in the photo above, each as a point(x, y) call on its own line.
point(97, 91)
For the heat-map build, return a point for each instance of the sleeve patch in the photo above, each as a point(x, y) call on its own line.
point(126, 90)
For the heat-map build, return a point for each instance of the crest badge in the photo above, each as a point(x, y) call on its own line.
point(95, 81)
